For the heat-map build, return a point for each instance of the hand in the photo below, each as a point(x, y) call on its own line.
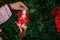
point(18, 6)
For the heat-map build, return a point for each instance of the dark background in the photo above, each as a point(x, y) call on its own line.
point(41, 25)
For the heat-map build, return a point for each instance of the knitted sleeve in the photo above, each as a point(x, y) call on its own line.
point(5, 14)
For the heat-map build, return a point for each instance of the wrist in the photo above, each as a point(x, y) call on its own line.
point(10, 7)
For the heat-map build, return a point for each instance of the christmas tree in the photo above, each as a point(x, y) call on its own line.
point(41, 25)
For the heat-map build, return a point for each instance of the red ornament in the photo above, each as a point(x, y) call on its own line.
point(22, 20)
point(56, 14)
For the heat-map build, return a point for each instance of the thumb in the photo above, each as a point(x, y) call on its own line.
point(21, 8)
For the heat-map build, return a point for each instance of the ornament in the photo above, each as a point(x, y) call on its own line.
point(56, 14)
point(21, 22)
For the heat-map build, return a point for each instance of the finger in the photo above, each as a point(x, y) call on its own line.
point(20, 8)
point(23, 5)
